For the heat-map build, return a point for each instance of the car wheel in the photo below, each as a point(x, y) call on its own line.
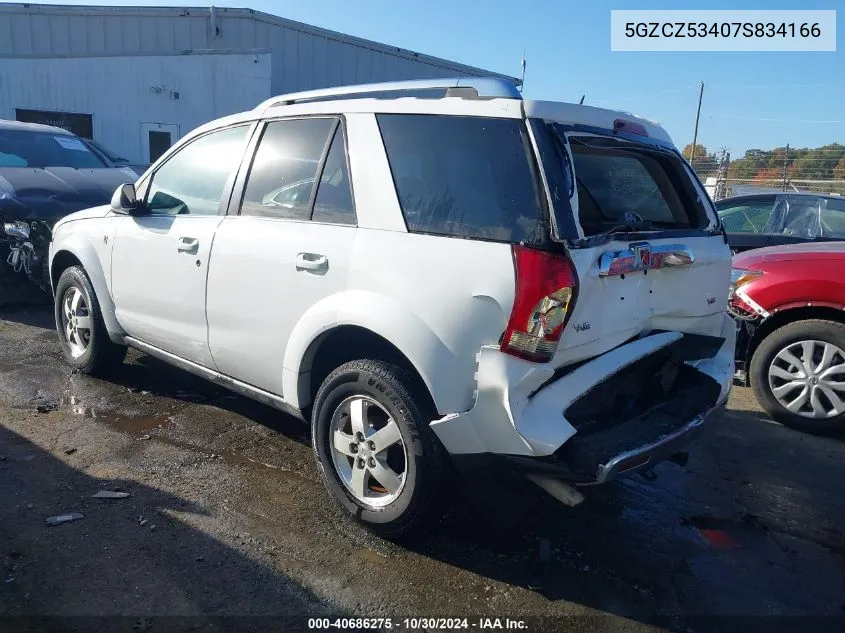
point(798, 376)
point(82, 334)
point(378, 457)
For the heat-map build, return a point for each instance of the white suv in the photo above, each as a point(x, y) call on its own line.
point(431, 273)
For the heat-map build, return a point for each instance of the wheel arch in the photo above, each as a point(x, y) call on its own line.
point(790, 314)
point(364, 324)
point(77, 252)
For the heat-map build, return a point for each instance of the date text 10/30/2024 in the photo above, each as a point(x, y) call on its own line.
point(437, 624)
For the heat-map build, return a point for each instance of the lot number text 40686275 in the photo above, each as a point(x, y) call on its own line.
point(415, 624)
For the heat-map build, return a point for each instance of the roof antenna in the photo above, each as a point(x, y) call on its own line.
point(522, 79)
point(582, 100)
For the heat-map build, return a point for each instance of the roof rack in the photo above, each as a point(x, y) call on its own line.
point(467, 87)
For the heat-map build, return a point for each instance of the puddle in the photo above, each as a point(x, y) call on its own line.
point(726, 534)
point(134, 425)
point(371, 556)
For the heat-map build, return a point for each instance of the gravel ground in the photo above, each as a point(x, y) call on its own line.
point(226, 517)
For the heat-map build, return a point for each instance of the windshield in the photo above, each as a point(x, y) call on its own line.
point(25, 148)
point(106, 152)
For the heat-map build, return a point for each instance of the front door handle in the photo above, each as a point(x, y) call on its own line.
point(188, 245)
point(312, 261)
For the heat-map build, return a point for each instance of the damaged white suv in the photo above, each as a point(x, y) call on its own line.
point(427, 271)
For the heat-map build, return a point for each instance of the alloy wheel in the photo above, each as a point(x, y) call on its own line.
point(807, 378)
point(368, 452)
point(77, 323)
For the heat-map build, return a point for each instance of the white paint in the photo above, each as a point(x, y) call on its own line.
point(572, 113)
point(158, 290)
point(257, 295)
point(256, 316)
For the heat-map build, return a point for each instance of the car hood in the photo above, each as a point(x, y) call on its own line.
point(50, 193)
point(788, 252)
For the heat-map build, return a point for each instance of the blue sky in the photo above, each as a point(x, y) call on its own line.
point(751, 100)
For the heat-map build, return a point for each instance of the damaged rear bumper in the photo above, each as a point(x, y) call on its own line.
point(569, 426)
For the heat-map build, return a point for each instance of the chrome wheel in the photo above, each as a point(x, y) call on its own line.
point(807, 378)
point(368, 452)
point(76, 321)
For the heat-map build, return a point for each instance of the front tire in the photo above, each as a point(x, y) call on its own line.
point(378, 457)
point(82, 333)
point(798, 376)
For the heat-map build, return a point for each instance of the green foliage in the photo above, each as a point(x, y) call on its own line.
point(821, 163)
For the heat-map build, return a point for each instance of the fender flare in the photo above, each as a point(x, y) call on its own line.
point(76, 245)
point(382, 316)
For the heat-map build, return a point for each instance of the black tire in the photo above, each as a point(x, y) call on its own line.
point(810, 330)
point(425, 467)
point(102, 355)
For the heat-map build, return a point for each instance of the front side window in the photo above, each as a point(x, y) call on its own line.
point(467, 177)
point(193, 180)
point(285, 167)
point(746, 217)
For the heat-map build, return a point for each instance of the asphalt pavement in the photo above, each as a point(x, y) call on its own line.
point(225, 516)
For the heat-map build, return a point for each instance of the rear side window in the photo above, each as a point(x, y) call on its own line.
point(467, 177)
point(284, 169)
point(614, 178)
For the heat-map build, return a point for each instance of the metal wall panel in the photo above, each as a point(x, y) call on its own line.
point(209, 86)
point(304, 56)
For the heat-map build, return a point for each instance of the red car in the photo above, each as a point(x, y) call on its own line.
point(789, 304)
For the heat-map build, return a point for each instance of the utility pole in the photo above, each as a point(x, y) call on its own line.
point(785, 159)
point(697, 116)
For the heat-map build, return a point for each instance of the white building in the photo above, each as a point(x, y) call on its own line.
point(137, 78)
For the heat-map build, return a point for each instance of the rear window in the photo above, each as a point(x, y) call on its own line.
point(615, 178)
point(467, 177)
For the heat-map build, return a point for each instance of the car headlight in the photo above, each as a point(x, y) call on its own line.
point(17, 228)
point(740, 277)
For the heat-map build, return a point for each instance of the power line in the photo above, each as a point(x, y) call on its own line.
point(768, 86)
point(766, 120)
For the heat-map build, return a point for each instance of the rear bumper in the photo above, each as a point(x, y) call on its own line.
point(520, 413)
point(644, 457)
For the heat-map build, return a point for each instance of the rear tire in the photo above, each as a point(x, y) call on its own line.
point(807, 394)
point(82, 333)
point(369, 421)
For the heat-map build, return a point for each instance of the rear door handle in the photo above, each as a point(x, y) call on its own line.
point(188, 245)
point(312, 261)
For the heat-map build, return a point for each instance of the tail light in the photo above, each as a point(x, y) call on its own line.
point(545, 289)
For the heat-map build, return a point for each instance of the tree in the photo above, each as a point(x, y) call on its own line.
point(839, 170)
point(742, 169)
point(700, 151)
point(767, 175)
point(704, 164)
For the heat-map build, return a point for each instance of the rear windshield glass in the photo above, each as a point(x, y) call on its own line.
point(615, 178)
point(467, 177)
point(23, 148)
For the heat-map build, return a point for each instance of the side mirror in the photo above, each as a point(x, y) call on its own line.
point(124, 200)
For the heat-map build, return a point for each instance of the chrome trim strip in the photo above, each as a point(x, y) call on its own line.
point(244, 389)
point(662, 448)
point(641, 256)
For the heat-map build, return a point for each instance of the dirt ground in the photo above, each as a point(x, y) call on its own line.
point(226, 517)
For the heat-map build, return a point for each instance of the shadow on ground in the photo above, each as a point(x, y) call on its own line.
point(132, 556)
point(750, 527)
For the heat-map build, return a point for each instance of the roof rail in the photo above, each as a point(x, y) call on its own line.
point(472, 87)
